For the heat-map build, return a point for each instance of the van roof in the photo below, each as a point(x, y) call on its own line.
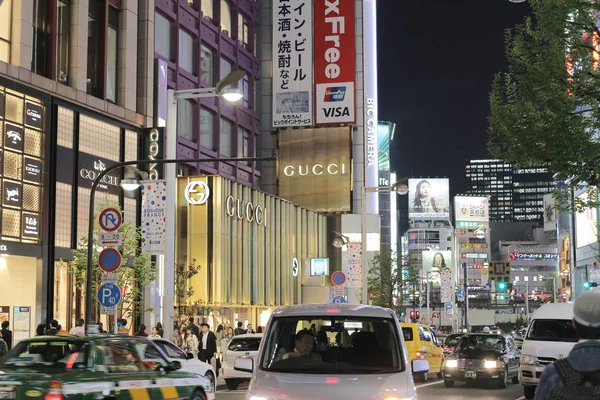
point(554, 311)
point(347, 310)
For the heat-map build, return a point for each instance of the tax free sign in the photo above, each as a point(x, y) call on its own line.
point(335, 68)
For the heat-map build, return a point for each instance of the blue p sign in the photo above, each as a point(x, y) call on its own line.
point(109, 295)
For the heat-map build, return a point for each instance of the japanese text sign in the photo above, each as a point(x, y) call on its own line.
point(292, 63)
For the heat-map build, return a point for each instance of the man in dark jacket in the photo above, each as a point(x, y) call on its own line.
point(583, 362)
point(239, 330)
point(7, 334)
point(207, 346)
point(194, 328)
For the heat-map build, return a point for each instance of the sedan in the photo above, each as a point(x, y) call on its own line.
point(483, 356)
point(187, 361)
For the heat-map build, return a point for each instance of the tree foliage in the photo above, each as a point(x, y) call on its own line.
point(136, 272)
point(387, 284)
point(184, 272)
point(544, 109)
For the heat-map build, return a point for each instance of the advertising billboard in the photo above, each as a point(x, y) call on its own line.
point(292, 63)
point(384, 132)
point(586, 225)
point(440, 259)
point(315, 168)
point(335, 69)
point(472, 212)
point(428, 198)
point(550, 213)
point(370, 103)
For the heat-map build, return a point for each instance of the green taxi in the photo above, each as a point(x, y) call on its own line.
point(96, 367)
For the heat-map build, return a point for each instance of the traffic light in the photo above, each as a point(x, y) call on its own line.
point(418, 315)
point(501, 286)
point(412, 315)
point(588, 285)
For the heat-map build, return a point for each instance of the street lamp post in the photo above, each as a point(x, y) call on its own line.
point(90, 248)
point(400, 188)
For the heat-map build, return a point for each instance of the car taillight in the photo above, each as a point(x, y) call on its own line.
point(54, 391)
point(419, 355)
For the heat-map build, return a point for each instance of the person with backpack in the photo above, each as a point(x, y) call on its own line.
point(577, 376)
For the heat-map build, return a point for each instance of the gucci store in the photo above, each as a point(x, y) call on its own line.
point(252, 249)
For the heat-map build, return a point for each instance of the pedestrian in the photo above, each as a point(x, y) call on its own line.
point(100, 327)
point(141, 331)
point(159, 329)
point(194, 328)
point(226, 338)
point(577, 376)
point(3, 346)
point(207, 344)
point(177, 335)
point(220, 334)
point(259, 329)
point(189, 341)
point(249, 328)
point(7, 334)
point(78, 329)
point(239, 330)
point(154, 333)
point(40, 330)
point(122, 327)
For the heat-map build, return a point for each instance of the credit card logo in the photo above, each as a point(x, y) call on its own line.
point(335, 93)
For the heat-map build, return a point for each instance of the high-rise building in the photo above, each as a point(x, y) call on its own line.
point(516, 193)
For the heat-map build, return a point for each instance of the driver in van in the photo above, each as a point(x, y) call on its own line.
point(304, 342)
point(577, 375)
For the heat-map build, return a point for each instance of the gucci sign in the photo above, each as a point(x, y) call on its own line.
point(246, 210)
point(197, 192)
point(317, 169)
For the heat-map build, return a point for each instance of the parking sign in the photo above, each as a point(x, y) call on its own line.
point(109, 295)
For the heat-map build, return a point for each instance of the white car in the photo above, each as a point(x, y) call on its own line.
point(371, 364)
point(187, 361)
point(240, 346)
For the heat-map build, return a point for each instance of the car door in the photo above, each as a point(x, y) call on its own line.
point(174, 353)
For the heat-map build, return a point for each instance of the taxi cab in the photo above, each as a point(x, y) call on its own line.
point(96, 367)
point(421, 344)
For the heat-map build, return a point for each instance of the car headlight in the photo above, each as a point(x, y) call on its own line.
point(253, 397)
point(452, 363)
point(529, 360)
point(491, 364)
point(401, 398)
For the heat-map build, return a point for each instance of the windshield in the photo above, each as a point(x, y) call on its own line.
point(452, 340)
point(340, 345)
point(62, 354)
point(481, 343)
point(408, 334)
point(552, 330)
point(244, 344)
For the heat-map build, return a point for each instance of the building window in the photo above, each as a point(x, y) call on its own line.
point(62, 40)
point(112, 54)
point(39, 53)
point(162, 36)
point(246, 90)
point(206, 65)
point(186, 51)
point(243, 143)
point(207, 120)
point(225, 138)
point(207, 8)
point(243, 30)
point(225, 68)
point(226, 18)
point(94, 58)
point(185, 120)
point(5, 28)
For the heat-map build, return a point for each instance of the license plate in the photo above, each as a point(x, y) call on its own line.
point(7, 395)
point(471, 374)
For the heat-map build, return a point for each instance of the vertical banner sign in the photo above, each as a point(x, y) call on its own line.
point(447, 289)
point(370, 105)
point(353, 268)
point(154, 139)
point(335, 69)
point(161, 91)
point(154, 197)
point(292, 63)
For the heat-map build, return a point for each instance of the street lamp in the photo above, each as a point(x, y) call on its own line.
point(400, 188)
point(220, 89)
point(517, 1)
point(340, 240)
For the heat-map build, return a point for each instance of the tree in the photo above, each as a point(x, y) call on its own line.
point(184, 272)
point(544, 110)
point(136, 272)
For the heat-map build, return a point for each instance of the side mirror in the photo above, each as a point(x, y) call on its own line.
point(245, 364)
point(420, 367)
point(176, 365)
point(190, 356)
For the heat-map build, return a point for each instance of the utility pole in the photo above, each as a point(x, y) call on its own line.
point(466, 287)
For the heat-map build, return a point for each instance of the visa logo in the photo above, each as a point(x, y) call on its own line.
point(335, 93)
point(336, 112)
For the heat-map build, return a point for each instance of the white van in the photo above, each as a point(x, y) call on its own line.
point(550, 336)
point(358, 352)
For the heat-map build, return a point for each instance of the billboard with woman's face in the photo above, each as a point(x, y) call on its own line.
point(437, 261)
point(428, 199)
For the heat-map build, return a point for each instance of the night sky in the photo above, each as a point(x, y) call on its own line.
point(437, 59)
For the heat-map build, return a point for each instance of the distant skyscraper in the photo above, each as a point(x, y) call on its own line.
point(516, 194)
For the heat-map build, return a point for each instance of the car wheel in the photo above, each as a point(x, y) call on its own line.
point(198, 395)
point(448, 383)
point(503, 382)
point(515, 378)
point(211, 378)
point(529, 392)
point(231, 384)
point(440, 375)
point(421, 378)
